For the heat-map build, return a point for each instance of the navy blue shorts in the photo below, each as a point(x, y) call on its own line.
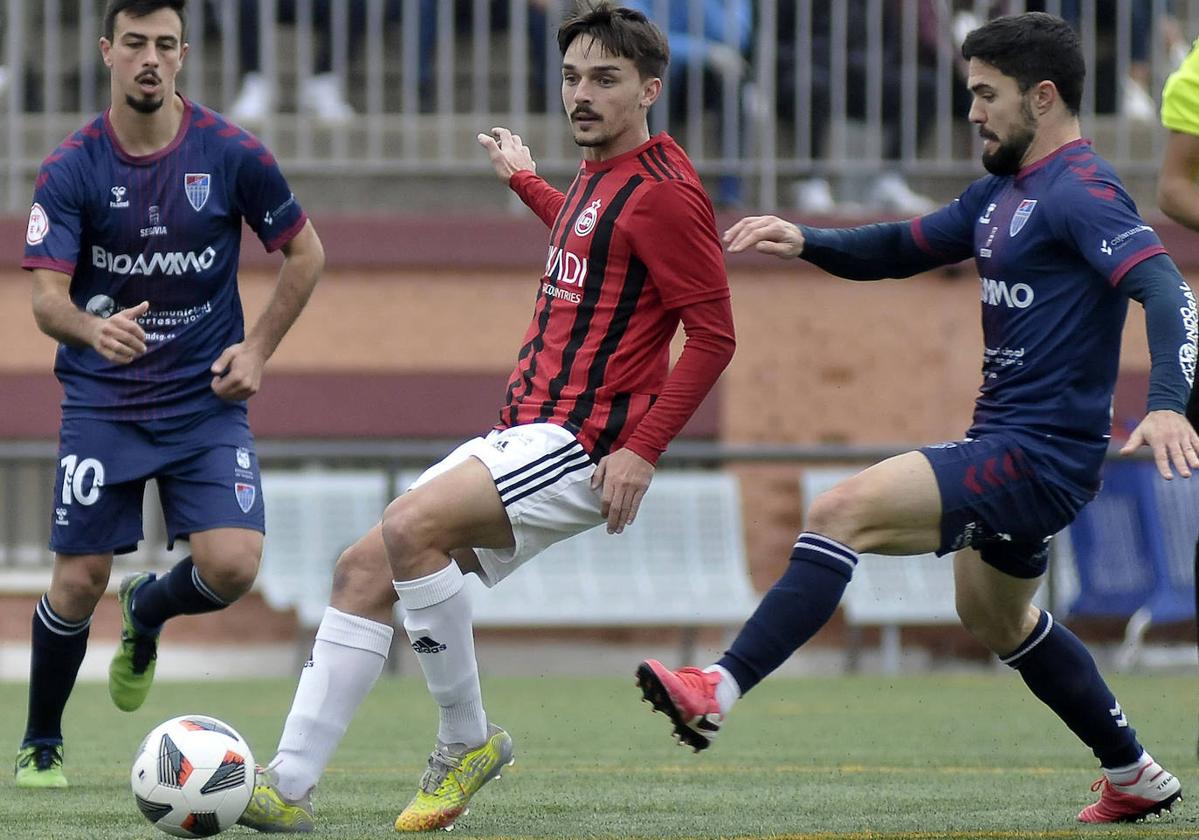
point(205, 466)
point(994, 499)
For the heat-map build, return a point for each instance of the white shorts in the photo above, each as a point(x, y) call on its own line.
point(544, 478)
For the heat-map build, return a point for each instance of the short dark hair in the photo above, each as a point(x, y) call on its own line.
point(624, 33)
point(1032, 48)
point(140, 8)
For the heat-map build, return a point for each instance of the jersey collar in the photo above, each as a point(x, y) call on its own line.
point(141, 160)
point(1052, 156)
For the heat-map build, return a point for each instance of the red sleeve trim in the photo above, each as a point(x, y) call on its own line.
point(921, 240)
point(30, 263)
point(287, 235)
point(1139, 257)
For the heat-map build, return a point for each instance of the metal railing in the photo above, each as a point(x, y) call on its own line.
point(864, 80)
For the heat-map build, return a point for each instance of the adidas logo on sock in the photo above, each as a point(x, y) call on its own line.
point(426, 645)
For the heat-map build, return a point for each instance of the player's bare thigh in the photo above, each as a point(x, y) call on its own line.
point(995, 607)
point(893, 507)
point(456, 510)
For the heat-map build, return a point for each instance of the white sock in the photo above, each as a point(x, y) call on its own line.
point(1128, 773)
point(437, 618)
point(347, 658)
point(727, 690)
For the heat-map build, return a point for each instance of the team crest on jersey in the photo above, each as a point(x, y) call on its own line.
point(586, 221)
point(196, 185)
point(245, 496)
point(38, 227)
point(1020, 217)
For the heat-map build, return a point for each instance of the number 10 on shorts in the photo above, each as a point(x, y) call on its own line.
point(77, 475)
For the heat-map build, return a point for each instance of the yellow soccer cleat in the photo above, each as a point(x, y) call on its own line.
point(269, 812)
point(131, 671)
point(455, 774)
point(40, 766)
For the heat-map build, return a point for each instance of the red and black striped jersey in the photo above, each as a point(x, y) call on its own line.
point(632, 245)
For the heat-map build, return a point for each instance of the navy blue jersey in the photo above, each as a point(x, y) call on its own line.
point(165, 228)
point(1051, 244)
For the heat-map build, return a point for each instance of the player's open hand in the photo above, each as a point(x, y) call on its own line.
point(1172, 439)
point(120, 338)
point(622, 477)
point(508, 155)
point(766, 235)
point(237, 372)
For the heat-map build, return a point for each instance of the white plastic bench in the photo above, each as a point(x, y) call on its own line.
point(889, 592)
point(681, 564)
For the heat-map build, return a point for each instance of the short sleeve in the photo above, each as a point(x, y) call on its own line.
point(1102, 221)
point(54, 227)
point(1180, 96)
point(264, 199)
point(672, 229)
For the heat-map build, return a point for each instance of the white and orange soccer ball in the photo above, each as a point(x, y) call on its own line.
point(193, 776)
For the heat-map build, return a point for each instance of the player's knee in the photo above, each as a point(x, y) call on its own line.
point(408, 531)
point(232, 576)
point(837, 514)
point(362, 582)
point(78, 586)
point(999, 631)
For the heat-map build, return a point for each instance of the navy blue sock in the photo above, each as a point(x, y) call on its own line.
point(58, 648)
point(799, 604)
point(180, 591)
point(1062, 674)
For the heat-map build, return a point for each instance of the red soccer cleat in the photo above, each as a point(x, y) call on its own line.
point(687, 696)
point(1153, 790)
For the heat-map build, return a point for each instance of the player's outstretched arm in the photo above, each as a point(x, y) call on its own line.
point(237, 372)
point(766, 235)
point(1173, 440)
point(508, 154)
point(117, 338)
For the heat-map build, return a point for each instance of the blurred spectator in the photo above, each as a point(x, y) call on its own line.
point(717, 50)
point(499, 20)
point(889, 191)
point(1130, 95)
point(321, 94)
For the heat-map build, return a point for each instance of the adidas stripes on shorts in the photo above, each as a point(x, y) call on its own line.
point(543, 475)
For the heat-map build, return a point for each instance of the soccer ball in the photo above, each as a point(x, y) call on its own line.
point(193, 776)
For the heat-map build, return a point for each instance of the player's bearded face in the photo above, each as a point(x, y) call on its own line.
point(601, 94)
point(1008, 154)
point(145, 55)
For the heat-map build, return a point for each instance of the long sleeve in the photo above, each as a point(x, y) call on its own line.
point(706, 352)
point(540, 197)
point(1171, 326)
point(870, 252)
